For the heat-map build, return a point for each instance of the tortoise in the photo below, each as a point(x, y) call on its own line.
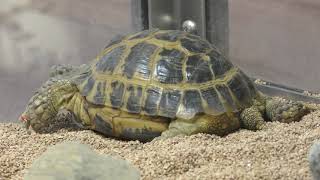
point(157, 84)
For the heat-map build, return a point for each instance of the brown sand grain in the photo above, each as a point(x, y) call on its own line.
point(279, 151)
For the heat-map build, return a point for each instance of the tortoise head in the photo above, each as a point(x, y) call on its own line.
point(53, 95)
point(43, 106)
point(40, 109)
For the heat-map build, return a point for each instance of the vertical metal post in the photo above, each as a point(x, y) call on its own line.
point(139, 15)
point(217, 24)
point(209, 17)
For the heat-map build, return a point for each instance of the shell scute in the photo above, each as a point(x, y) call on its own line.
point(226, 97)
point(134, 98)
point(195, 46)
point(138, 61)
point(151, 105)
point(240, 89)
point(213, 102)
point(169, 102)
point(117, 92)
point(192, 102)
point(171, 35)
point(169, 66)
point(109, 61)
point(88, 86)
point(100, 94)
point(219, 64)
point(166, 73)
point(198, 70)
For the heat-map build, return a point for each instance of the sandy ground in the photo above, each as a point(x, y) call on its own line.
point(275, 40)
point(277, 152)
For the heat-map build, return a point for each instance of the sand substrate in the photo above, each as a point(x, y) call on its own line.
point(279, 151)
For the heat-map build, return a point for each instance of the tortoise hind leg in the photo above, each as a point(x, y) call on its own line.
point(283, 110)
point(219, 125)
point(251, 118)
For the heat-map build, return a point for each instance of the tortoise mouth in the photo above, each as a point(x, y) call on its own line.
point(36, 122)
point(23, 118)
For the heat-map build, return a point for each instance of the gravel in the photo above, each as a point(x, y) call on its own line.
point(279, 151)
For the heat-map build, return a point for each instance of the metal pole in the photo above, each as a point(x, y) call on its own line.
point(217, 24)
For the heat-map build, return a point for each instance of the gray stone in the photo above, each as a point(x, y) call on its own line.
point(75, 161)
point(314, 160)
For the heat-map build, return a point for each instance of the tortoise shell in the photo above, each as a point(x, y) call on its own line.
point(166, 73)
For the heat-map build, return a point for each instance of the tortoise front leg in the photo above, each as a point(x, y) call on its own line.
point(68, 116)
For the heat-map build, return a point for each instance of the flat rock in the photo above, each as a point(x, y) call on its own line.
point(314, 160)
point(75, 161)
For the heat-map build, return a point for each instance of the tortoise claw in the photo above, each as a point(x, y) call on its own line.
point(26, 121)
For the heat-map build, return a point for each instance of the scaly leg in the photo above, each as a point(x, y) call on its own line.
point(251, 118)
point(283, 110)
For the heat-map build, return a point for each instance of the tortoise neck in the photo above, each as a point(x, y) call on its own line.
point(80, 108)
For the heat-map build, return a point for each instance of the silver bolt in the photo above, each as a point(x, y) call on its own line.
point(189, 26)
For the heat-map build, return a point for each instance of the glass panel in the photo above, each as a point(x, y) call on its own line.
point(277, 40)
point(37, 34)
